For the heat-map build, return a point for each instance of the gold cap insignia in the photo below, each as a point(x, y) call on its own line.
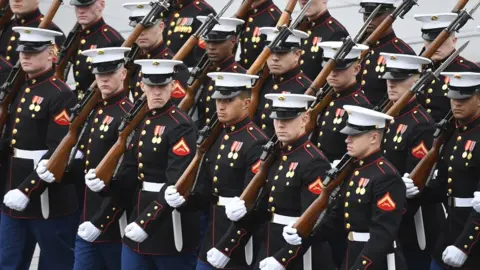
point(434, 18)
point(220, 77)
point(101, 52)
point(393, 57)
point(457, 76)
point(139, 6)
point(156, 63)
point(281, 98)
point(27, 31)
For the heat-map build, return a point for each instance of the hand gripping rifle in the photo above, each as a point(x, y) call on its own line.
point(426, 78)
point(16, 78)
point(422, 172)
point(59, 160)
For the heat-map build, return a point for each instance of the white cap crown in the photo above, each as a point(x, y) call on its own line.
point(463, 79)
point(156, 66)
point(225, 24)
point(232, 79)
point(272, 32)
point(435, 21)
point(138, 9)
point(405, 61)
point(330, 49)
point(290, 101)
point(31, 34)
point(103, 55)
point(364, 117)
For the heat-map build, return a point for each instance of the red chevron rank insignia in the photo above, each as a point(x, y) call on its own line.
point(256, 167)
point(178, 91)
point(62, 118)
point(181, 148)
point(316, 187)
point(386, 203)
point(420, 150)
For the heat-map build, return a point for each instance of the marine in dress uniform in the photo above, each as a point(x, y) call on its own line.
point(348, 91)
point(152, 47)
point(320, 26)
point(159, 152)
point(293, 182)
point(37, 210)
point(286, 75)
point(230, 163)
point(220, 43)
point(31, 17)
point(370, 202)
point(435, 98)
point(407, 140)
point(263, 13)
point(182, 23)
point(5, 68)
point(458, 179)
point(95, 34)
point(373, 65)
point(98, 243)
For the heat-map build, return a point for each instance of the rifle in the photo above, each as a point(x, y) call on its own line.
point(59, 160)
point(16, 77)
point(130, 66)
point(194, 82)
point(325, 95)
point(444, 130)
point(206, 27)
point(67, 50)
point(284, 32)
point(455, 26)
point(459, 6)
point(426, 78)
point(6, 14)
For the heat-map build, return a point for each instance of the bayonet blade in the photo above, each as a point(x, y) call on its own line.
point(474, 9)
point(225, 8)
point(450, 59)
point(301, 15)
point(366, 24)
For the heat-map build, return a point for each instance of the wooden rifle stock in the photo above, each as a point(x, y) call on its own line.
point(459, 6)
point(67, 53)
point(48, 18)
point(287, 13)
point(189, 99)
point(256, 90)
point(437, 43)
point(243, 9)
point(106, 168)
point(379, 31)
point(420, 174)
point(250, 193)
point(318, 109)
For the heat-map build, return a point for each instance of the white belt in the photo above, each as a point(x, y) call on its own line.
point(364, 237)
point(222, 201)
point(152, 187)
point(283, 220)
point(35, 155)
point(460, 202)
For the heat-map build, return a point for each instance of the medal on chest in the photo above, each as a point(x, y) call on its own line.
point(380, 64)
point(107, 120)
point(157, 133)
point(315, 42)
point(36, 101)
point(361, 186)
point(256, 35)
point(446, 83)
point(291, 170)
point(469, 146)
point(236, 146)
point(183, 25)
point(338, 116)
point(398, 135)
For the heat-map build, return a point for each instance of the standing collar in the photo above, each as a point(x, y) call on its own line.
point(412, 104)
point(41, 77)
point(183, 4)
point(261, 7)
point(224, 65)
point(154, 112)
point(156, 51)
point(348, 90)
point(287, 75)
point(117, 97)
point(469, 126)
point(321, 18)
point(94, 27)
point(387, 38)
point(28, 18)
point(368, 159)
point(240, 124)
point(291, 147)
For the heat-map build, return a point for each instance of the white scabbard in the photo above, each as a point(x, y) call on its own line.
point(391, 261)
point(45, 204)
point(177, 230)
point(249, 251)
point(420, 229)
point(307, 260)
point(122, 223)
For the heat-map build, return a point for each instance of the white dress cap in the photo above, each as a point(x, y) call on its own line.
point(272, 32)
point(138, 9)
point(405, 61)
point(330, 48)
point(104, 55)
point(225, 24)
point(156, 66)
point(436, 21)
point(385, 2)
point(463, 79)
point(31, 34)
point(232, 79)
point(363, 117)
point(290, 101)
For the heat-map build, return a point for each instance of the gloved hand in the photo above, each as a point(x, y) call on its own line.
point(16, 200)
point(270, 263)
point(88, 232)
point(43, 173)
point(411, 190)
point(454, 256)
point(135, 232)
point(235, 209)
point(173, 198)
point(217, 258)
point(476, 201)
point(290, 235)
point(92, 182)
point(335, 163)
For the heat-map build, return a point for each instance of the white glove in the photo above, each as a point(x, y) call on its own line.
point(135, 232)
point(476, 201)
point(217, 258)
point(92, 182)
point(235, 209)
point(88, 232)
point(290, 235)
point(335, 163)
point(16, 200)
point(173, 198)
point(270, 263)
point(412, 190)
point(454, 256)
point(43, 173)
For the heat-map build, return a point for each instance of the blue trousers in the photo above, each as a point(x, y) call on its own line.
point(201, 265)
point(55, 236)
point(97, 256)
point(436, 266)
point(133, 260)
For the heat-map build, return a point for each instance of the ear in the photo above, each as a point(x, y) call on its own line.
point(246, 103)
point(142, 86)
point(357, 68)
point(297, 54)
point(454, 40)
point(101, 4)
point(305, 118)
point(161, 25)
point(123, 74)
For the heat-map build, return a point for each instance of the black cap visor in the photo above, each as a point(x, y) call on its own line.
point(217, 37)
point(228, 92)
point(431, 34)
point(157, 79)
point(368, 8)
point(81, 3)
point(106, 67)
point(351, 129)
point(399, 74)
point(460, 93)
point(285, 47)
point(32, 47)
point(285, 113)
point(136, 20)
point(341, 65)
